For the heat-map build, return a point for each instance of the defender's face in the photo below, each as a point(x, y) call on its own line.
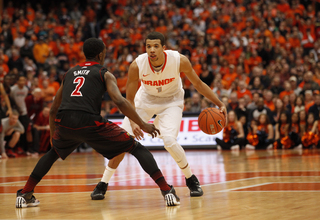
point(154, 49)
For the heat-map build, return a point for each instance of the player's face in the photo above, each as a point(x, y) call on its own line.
point(154, 49)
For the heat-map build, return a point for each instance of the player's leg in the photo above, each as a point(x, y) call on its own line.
point(149, 165)
point(118, 141)
point(63, 145)
point(101, 188)
point(25, 196)
point(169, 125)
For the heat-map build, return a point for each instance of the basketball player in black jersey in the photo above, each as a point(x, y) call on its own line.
point(75, 119)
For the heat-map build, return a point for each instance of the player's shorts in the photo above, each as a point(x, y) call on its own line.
point(75, 127)
point(168, 119)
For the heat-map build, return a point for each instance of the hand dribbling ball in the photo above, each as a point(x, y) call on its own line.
point(211, 121)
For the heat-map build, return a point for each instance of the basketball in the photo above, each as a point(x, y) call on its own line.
point(211, 121)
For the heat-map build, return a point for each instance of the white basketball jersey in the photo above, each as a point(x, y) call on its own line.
point(167, 81)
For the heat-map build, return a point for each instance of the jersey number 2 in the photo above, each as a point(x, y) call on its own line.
point(79, 81)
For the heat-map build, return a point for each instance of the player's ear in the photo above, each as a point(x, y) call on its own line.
point(100, 55)
point(164, 47)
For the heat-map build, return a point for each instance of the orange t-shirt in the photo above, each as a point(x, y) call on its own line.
point(270, 105)
point(122, 82)
point(284, 93)
point(242, 94)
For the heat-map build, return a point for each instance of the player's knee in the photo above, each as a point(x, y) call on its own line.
point(169, 141)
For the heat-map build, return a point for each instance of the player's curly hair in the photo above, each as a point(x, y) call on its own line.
point(92, 47)
point(156, 36)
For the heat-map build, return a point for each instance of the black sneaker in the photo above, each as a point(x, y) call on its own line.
point(170, 197)
point(99, 192)
point(194, 186)
point(25, 200)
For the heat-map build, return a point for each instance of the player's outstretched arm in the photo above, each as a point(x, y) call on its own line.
point(53, 111)
point(125, 106)
point(201, 87)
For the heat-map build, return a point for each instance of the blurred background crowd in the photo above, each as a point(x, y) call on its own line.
point(259, 57)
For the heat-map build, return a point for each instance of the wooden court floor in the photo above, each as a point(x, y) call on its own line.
point(237, 185)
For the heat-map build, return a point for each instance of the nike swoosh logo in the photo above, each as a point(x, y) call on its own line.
point(145, 75)
point(219, 122)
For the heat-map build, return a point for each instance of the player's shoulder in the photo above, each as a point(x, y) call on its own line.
point(172, 53)
point(141, 57)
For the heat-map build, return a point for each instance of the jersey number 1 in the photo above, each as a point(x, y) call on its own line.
point(79, 81)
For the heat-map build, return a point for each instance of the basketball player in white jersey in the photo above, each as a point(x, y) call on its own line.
point(160, 94)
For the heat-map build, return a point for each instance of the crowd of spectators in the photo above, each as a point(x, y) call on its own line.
point(254, 54)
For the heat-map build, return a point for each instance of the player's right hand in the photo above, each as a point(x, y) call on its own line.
point(138, 134)
point(151, 129)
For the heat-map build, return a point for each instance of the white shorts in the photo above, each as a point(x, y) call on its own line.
point(168, 119)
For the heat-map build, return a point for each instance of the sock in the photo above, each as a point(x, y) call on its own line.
point(31, 183)
point(187, 171)
point(108, 172)
point(160, 181)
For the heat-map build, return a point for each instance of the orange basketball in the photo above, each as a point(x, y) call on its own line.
point(211, 121)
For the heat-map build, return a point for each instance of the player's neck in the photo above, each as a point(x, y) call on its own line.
point(92, 60)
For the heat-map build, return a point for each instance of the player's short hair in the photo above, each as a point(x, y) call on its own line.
point(156, 36)
point(92, 47)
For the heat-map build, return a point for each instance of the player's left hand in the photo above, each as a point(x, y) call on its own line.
point(151, 129)
point(223, 109)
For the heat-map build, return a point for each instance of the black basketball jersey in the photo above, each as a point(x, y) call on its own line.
point(83, 88)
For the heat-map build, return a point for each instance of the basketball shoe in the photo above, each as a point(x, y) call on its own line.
point(170, 197)
point(25, 200)
point(194, 186)
point(99, 192)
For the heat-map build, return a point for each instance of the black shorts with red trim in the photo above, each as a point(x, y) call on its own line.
point(74, 128)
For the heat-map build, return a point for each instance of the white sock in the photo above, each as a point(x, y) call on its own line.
point(108, 172)
point(187, 171)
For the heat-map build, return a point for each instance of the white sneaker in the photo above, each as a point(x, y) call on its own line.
point(298, 147)
point(219, 147)
point(250, 147)
point(235, 147)
point(26, 200)
point(270, 146)
point(171, 197)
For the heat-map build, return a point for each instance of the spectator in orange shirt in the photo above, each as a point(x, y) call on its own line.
point(242, 90)
point(268, 100)
point(90, 14)
point(41, 51)
point(287, 90)
point(52, 79)
point(308, 41)
point(48, 92)
point(230, 76)
point(122, 82)
point(162, 28)
point(283, 6)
